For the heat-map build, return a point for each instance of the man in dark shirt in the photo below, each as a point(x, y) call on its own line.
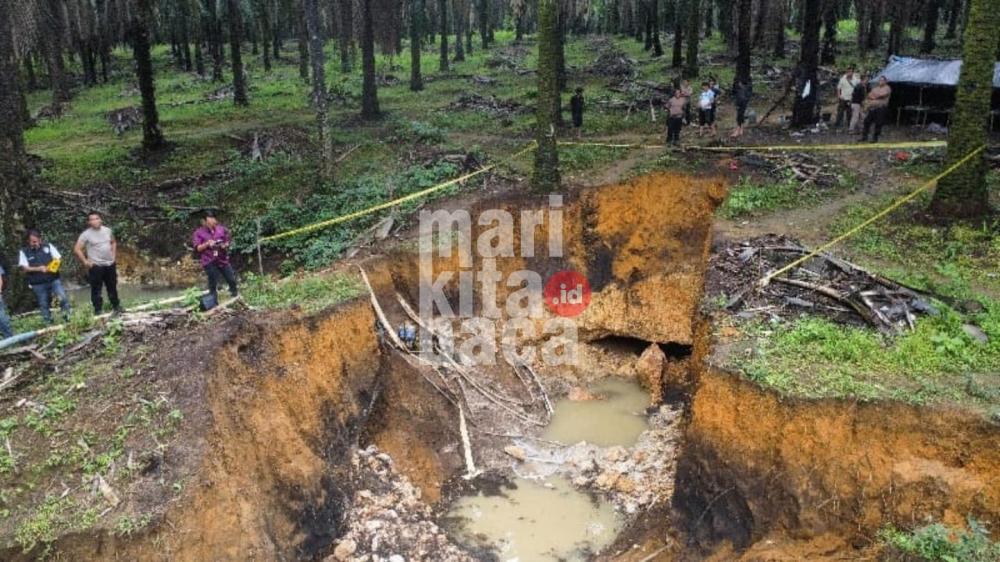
point(576, 108)
point(40, 261)
point(741, 97)
point(857, 98)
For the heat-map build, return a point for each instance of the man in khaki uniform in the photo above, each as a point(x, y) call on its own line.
point(877, 104)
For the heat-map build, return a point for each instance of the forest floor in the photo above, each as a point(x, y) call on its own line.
point(75, 420)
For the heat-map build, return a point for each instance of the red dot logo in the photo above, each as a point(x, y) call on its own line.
point(567, 293)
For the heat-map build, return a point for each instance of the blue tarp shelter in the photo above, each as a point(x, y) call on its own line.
point(927, 72)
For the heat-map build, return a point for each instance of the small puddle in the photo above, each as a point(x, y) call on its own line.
point(548, 518)
point(615, 417)
point(538, 520)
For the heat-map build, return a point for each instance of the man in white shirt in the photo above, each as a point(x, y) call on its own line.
point(706, 115)
point(845, 88)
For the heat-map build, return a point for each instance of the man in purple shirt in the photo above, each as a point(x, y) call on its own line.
point(211, 243)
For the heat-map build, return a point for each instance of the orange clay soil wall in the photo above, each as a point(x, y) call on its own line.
point(642, 245)
point(285, 396)
point(757, 465)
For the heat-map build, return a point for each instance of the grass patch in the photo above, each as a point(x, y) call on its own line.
point(311, 293)
point(938, 361)
point(957, 260)
point(939, 543)
point(751, 197)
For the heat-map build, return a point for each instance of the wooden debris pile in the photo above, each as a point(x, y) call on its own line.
point(261, 145)
point(507, 58)
point(483, 80)
point(487, 104)
point(474, 394)
point(614, 64)
point(805, 168)
point(220, 93)
point(824, 285)
point(124, 119)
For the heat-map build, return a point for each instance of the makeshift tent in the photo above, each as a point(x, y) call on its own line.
point(924, 89)
point(927, 72)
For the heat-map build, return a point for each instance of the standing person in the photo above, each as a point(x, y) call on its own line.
point(211, 241)
point(5, 328)
point(857, 98)
point(675, 116)
point(686, 92)
point(742, 93)
point(576, 108)
point(845, 91)
point(717, 91)
point(877, 106)
point(705, 101)
point(40, 262)
point(96, 248)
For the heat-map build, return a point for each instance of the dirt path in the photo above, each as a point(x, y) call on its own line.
point(812, 223)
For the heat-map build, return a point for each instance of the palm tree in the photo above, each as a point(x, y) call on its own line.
point(152, 138)
point(443, 32)
point(235, 38)
point(694, 25)
point(964, 193)
point(416, 31)
point(369, 91)
point(16, 17)
point(546, 176)
point(804, 111)
point(318, 59)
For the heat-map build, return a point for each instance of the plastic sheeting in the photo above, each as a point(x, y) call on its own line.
point(927, 72)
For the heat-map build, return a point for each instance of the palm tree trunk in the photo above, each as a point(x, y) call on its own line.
point(964, 193)
point(235, 38)
point(346, 36)
point(804, 111)
point(369, 90)
point(459, 31)
point(14, 172)
point(930, 26)
point(678, 52)
point(828, 54)
point(546, 172)
point(744, 13)
point(318, 59)
point(152, 138)
point(443, 32)
point(416, 30)
point(694, 25)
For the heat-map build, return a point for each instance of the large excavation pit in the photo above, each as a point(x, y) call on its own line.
point(328, 436)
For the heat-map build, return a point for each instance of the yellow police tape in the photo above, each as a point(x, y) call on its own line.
point(795, 147)
point(394, 202)
point(895, 205)
point(531, 145)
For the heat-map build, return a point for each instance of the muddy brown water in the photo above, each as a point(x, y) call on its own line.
point(548, 518)
point(615, 417)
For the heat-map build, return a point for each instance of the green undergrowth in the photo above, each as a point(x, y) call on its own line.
point(97, 419)
point(936, 362)
point(753, 196)
point(957, 260)
point(309, 293)
point(939, 543)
